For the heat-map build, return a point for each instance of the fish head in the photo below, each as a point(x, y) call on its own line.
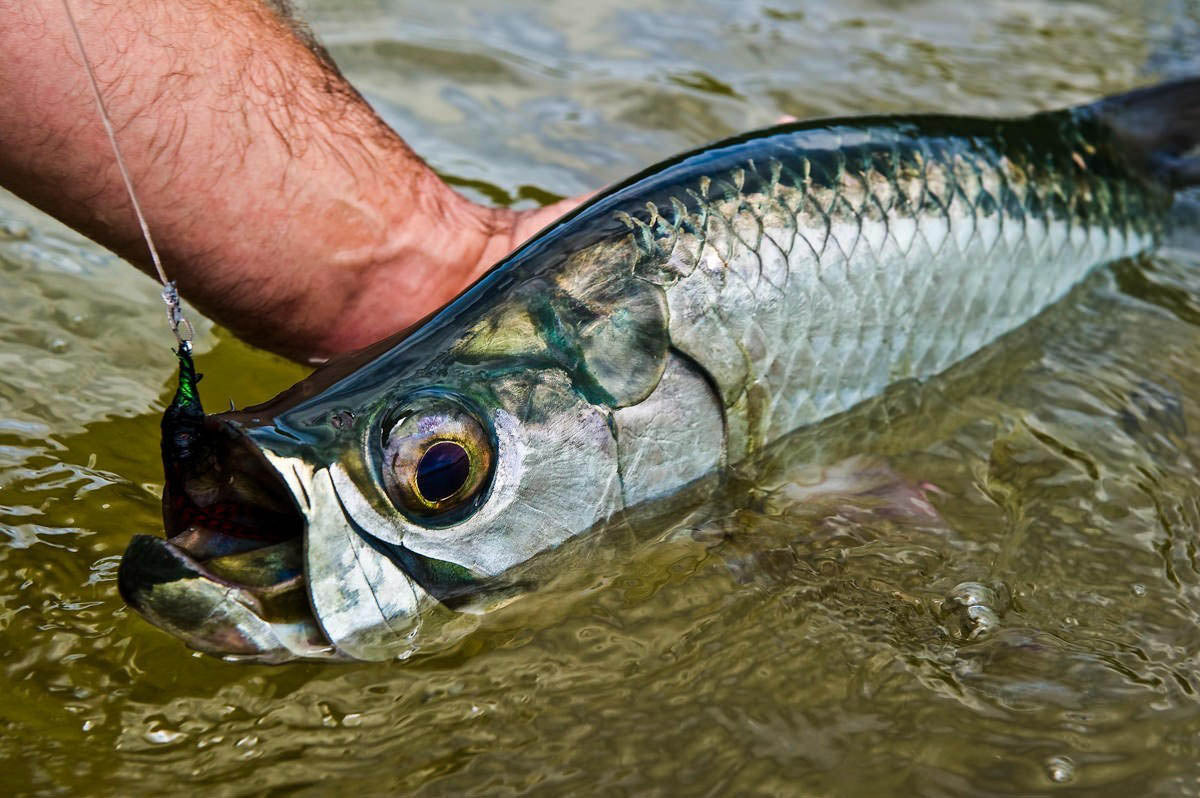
point(376, 509)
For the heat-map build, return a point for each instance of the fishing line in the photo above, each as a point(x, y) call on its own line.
point(180, 326)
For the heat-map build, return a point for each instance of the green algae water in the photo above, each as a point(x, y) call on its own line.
point(1004, 601)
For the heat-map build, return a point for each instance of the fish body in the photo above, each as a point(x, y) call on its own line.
point(821, 264)
point(672, 327)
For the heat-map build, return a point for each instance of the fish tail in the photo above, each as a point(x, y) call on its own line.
point(1158, 129)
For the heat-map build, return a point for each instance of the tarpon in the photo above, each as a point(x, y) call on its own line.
point(672, 327)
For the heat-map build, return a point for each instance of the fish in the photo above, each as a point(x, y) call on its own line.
point(639, 348)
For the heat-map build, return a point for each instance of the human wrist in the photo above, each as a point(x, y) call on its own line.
point(437, 243)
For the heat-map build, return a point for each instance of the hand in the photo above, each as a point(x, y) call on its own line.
point(282, 205)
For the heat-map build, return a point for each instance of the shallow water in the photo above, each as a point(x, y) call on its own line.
point(1010, 606)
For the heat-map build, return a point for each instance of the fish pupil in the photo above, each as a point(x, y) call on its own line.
point(442, 471)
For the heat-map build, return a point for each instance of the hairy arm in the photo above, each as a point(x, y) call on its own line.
point(282, 205)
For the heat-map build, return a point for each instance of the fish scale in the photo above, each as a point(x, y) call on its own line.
point(946, 278)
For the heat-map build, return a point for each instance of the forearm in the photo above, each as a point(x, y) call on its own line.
point(281, 203)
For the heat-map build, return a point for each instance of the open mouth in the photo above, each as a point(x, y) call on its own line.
point(228, 578)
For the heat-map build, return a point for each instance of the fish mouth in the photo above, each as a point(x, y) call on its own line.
point(228, 577)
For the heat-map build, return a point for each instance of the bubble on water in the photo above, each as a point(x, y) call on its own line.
point(972, 610)
point(982, 620)
point(1060, 769)
point(969, 594)
point(163, 736)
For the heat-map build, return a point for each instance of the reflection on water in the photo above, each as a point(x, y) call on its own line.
point(998, 593)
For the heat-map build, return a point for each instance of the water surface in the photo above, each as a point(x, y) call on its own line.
point(1008, 603)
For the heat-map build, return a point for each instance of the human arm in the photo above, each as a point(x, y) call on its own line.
point(283, 206)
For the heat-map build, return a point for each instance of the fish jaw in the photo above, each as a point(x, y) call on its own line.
point(172, 590)
point(365, 603)
point(231, 576)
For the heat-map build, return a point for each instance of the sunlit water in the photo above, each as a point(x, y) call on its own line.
point(1003, 599)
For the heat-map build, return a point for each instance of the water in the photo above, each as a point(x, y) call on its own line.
point(1011, 604)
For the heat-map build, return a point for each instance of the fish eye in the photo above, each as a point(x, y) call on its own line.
point(437, 460)
point(442, 470)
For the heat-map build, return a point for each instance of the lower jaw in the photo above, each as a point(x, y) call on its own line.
point(225, 606)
